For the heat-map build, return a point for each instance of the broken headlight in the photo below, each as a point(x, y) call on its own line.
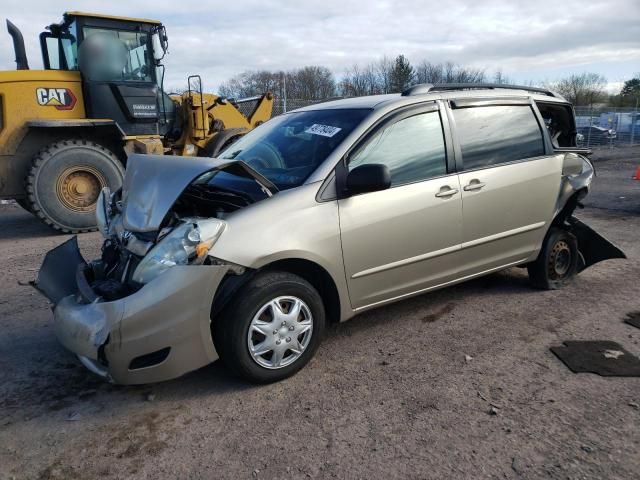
point(186, 244)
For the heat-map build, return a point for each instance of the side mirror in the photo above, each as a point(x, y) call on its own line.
point(368, 178)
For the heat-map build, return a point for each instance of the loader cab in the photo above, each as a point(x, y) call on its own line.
point(121, 71)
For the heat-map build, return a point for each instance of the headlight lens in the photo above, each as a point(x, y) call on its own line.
point(186, 244)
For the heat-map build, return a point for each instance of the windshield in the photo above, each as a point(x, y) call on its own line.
point(288, 148)
point(115, 55)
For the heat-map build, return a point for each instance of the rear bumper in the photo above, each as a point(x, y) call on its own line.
point(160, 332)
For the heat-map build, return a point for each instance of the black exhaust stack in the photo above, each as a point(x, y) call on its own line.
point(18, 46)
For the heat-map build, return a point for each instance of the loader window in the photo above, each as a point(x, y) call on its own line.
point(60, 51)
point(115, 55)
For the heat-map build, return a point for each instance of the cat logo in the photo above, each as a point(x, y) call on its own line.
point(61, 98)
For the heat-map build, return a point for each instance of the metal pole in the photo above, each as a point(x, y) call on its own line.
point(590, 124)
point(284, 92)
point(612, 123)
point(634, 120)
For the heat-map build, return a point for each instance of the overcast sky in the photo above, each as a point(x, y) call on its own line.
point(529, 40)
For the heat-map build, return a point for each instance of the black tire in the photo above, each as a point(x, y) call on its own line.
point(66, 161)
point(230, 331)
point(557, 263)
point(24, 203)
point(221, 141)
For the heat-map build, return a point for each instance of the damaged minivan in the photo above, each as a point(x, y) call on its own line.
point(316, 216)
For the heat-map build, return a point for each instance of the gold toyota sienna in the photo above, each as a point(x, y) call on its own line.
point(316, 216)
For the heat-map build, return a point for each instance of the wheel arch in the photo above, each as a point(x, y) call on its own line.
point(104, 132)
point(318, 277)
point(311, 271)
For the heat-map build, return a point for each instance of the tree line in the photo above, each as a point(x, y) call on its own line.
point(387, 75)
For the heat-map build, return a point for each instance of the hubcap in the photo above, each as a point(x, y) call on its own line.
point(560, 259)
point(280, 332)
point(78, 188)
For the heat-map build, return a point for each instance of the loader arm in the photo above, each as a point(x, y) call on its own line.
point(207, 116)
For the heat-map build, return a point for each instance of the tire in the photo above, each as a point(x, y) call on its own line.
point(232, 331)
point(557, 263)
point(24, 203)
point(221, 141)
point(65, 179)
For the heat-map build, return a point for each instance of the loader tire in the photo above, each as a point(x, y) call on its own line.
point(221, 141)
point(65, 180)
point(24, 203)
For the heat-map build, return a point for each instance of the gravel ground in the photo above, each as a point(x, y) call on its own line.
point(458, 383)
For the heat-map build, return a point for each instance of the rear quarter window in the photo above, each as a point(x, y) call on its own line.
point(492, 135)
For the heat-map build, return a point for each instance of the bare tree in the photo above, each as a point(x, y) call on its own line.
point(307, 83)
point(354, 82)
point(500, 78)
point(383, 69)
point(584, 89)
point(448, 72)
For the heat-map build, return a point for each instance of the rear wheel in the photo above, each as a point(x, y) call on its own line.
point(65, 180)
point(272, 327)
point(557, 262)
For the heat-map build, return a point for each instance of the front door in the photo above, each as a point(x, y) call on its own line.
point(404, 239)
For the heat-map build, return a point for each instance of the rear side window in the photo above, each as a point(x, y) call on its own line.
point(497, 134)
point(412, 148)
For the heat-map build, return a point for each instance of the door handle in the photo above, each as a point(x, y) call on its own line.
point(474, 185)
point(446, 192)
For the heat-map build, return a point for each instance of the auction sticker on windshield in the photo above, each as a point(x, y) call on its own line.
point(324, 130)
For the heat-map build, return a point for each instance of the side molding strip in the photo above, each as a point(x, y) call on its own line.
point(444, 251)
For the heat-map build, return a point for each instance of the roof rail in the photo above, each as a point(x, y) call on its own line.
point(423, 88)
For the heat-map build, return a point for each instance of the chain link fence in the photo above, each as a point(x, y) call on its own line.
point(281, 106)
point(607, 126)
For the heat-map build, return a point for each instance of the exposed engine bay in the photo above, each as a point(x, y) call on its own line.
point(131, 257)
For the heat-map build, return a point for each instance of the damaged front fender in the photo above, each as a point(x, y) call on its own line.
point(158, 332)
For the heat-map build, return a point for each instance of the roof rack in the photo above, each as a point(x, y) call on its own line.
point(423, 88)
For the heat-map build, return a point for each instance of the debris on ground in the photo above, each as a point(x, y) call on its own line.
point(73, 417)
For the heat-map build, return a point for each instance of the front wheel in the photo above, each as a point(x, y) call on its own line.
point(557, 262)
point(272, 327)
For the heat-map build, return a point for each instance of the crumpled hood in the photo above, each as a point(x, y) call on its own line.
point(153, 183)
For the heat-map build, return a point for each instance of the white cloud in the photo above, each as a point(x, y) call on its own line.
point(527, 40)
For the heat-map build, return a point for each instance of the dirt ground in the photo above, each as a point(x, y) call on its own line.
point(391, 394)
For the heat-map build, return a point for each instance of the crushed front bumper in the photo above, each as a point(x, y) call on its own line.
point(159, 332)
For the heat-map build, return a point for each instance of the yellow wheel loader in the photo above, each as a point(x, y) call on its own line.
point(65, 131)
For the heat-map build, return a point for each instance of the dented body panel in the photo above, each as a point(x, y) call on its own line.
point(171, 312)
point(153, 183)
